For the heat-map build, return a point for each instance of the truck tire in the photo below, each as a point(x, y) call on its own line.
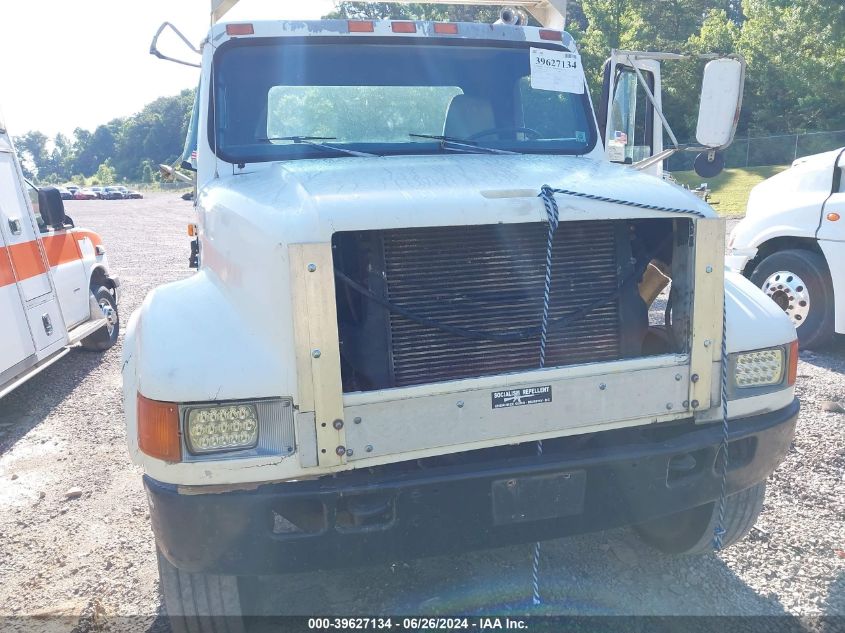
point(106, 336)
point(799, 282)
point(199, 603)
point(690, 533)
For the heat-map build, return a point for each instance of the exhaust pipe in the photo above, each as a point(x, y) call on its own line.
point(512, 17)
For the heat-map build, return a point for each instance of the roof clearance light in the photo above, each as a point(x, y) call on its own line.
point(361, 26)
point(446, 28)
point(547, 34)
point(404, 27)
point(239, 29)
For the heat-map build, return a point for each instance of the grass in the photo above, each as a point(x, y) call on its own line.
point(729, 190)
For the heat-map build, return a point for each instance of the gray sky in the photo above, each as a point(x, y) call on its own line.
point(72, 64)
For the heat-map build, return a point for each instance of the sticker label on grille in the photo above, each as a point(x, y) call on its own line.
point(519, 397)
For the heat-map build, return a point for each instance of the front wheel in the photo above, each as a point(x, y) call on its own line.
point(106, 336)
point(799, 282)
point(691, 532)
point(199, 603)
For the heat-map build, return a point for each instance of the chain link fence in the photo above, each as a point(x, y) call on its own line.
point(768, 150)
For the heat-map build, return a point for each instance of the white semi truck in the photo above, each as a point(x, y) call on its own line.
point(791, 244)
point(430, 314)
point(56, 289)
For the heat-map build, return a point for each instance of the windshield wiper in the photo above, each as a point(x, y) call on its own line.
point(463, 143)
point(310, 140)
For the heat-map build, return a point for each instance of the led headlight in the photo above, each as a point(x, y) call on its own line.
point(760, 368)
point(221, 428)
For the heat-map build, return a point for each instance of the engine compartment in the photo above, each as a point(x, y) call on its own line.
point(426, 305)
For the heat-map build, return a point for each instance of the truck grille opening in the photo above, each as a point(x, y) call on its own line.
point(489, 281)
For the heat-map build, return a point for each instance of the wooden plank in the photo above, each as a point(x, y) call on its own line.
point(708, 302)
point(317, 346)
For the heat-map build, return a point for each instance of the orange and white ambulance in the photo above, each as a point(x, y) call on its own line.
point(55, 286)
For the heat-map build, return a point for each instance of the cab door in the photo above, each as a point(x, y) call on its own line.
point(832, 223)
point(67, 263)
point(17, 349)
point(632, 130)
point(27, 255)
point(27, 258)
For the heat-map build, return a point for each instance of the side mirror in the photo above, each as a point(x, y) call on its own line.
point(52, 207)
point(721, 101)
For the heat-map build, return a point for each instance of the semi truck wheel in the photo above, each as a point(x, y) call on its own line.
point(691, 532)
point(799, 282)
point(199, 603)
point(106, 336)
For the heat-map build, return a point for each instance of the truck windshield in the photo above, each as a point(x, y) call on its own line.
point(370, 95)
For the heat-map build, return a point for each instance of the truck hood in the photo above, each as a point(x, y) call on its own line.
point(788, 204)
point(405, 191)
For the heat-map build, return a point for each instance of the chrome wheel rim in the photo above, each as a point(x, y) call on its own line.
point(790, 292)
point(110, 314)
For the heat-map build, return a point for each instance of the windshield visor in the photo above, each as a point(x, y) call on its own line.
point(274, 99)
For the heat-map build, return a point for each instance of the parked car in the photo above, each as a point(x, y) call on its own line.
point(98, 191)
point(790, 244)
point(131, 193)
point(64, 193)
point(73, 188)
point(85, 194)
point(112, 193)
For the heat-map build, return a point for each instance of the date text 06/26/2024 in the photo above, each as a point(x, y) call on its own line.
point(417, 624)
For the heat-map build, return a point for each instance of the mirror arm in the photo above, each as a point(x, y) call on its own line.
point(154, 46)
point(666, 153)
point(653, 102)
point(653, 160)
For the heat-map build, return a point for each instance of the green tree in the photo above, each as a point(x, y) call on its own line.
point(32, 150)
point(105, 174)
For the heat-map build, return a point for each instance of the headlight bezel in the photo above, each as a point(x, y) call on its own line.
point(275, 430)
point(737, 392)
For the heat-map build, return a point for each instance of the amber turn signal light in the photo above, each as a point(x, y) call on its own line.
point(793, 363)
point(158, 429)
point(833, 216)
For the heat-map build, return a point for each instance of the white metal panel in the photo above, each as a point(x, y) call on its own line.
point(72, 291)
point(834, 253)
point(45, 320)
point(448, 421)
point(16, 341)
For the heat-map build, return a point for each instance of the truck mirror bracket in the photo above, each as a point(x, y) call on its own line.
point(157, 53)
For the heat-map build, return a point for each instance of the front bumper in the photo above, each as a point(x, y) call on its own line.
point(368, 516)
point(737, 258)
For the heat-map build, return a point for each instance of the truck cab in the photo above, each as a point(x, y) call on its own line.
point(56, 289)
point(791, 244)
point(431, 313)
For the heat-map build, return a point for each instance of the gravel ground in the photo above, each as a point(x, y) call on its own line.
point(93, 556)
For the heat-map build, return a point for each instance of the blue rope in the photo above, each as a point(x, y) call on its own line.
point(547, 194)
point(552, 214)
point(719, 529)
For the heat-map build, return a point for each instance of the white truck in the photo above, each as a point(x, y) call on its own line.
point(56, 289)
point(791, 244)
point(430, 314)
